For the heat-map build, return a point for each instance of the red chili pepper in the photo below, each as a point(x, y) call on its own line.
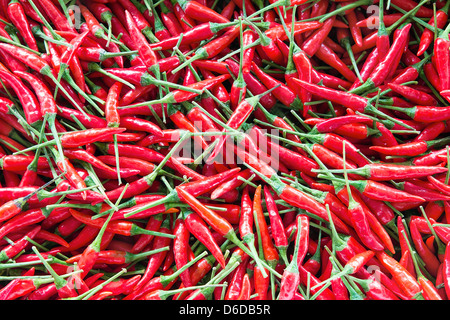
point(270, 253)
point(122, 227)
point(278, 32)
point(415, 96)
point(330, 158)
point(277, 228)
point(112, 100)
point(145, 51)
point(327, 55)
point(332, 124)
point(408, 5)
point(350, 100)
point(414, 148)
point(386, 171)
point(26, 218)
point(400, 275)
point(12, 250)
point(20, 287)
point(282, 92)
point(439, 185)
point(40, 65)
point(83, 137)
point(381, 71)
point(431, 261)
point(236, 280)
point(291, 275)
point(360, 220)
point(198, 33)
point(199, 229)
point(379, 191)
point(55, 15)
point(301, 200)
point(27, 98)
point(337, 144)
point(326, 294)
point(18, 17)
point(312, 43)
point(199, 12)
point(427, 37)
point(253, 85)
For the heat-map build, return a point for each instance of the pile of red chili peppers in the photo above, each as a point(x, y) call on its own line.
point(333, 116)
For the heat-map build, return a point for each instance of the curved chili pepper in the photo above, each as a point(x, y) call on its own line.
point(253, 85)
point(408, 149)
point(431, 261)
point(199, 229)
point(212, 48)
point(198, 33)
point(18, 17)
point(381, 71)
point(28, 100)
point(401, 276)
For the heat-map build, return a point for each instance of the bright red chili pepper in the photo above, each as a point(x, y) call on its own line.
point(401, 276)
point(291, 275)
